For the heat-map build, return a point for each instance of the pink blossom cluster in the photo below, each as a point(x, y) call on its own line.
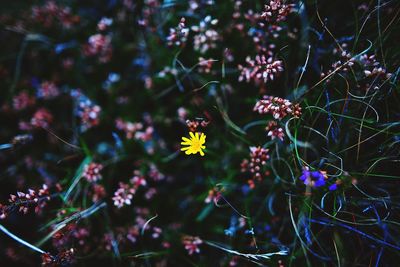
point(261, 68)
point(124, 194)
point(192, 244)
point(87, 111)
point(24, 201)
point(205, 65)
point(178, 36)
point(206, 37)
point(51, 12)
point(23, 100)
point(132, 233)
point(42, 118)
point(274, 131)
point(258, 159)
point(99, 45)
point(91, 172)
point(48, 90)
point(104, 23)
point(135, 130)
point(276, 11)
point(214, 195)
point(278, 107)
point(371, 69)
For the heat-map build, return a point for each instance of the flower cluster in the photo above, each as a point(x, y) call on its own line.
point(205, 65)
point(178, 36)
point(130, 128)
point(313, 178)
point(278, 107)
point(138, 131)
point(373, 68)
point(131, 234)
point(42, 118)
point(124, 194)
point(193, 125)
point(91, 172)
point(206, 38)
point(51, 12)
point(370, 70)
point(47, 90)
point(104, 23)
point(276, 11)
point(214, 195)
point(23, 100)
point(274, 131)
point(192, 244)
point(99, 45)
point(70, 234)
point(24, 201)
point(86, 110)
point(258, 159)
point(64, 258)
point(262, 68)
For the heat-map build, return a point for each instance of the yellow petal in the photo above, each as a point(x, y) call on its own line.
point(186, 139)
point(201, 153)
point(202, 138)
point(185, 148)
point(191, 135)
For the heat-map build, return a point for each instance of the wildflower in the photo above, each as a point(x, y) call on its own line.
point(104, 23)
point(276, 11)
point(178, 36)
point(47, 90)
point(213, 195)
point(278, 107)
point(195, 144)
point(313, 178)
point(262, 68)
point(130, 128)
point(258, 159)
point(194, 124)
point(41, 119)
point(191, 244)
point(63, 258)
point(333, 187)
point(52, 13)
point(24, 201)
point(98, 192)
point(100, 45)
point(123, 196)
point(86, 110)
point(274, 130)
point(205, 38)
point(23, 100)
point(92, 172)
point(205, 65)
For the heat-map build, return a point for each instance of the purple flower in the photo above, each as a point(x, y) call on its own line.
point(333, 187)
point(313, 178)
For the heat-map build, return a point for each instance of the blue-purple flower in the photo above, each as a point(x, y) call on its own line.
point(313, 178)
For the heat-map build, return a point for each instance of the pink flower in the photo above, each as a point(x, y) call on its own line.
point(192, 244)
point(91, 172)
point(260, 69)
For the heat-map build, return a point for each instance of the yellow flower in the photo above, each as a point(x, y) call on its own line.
point(195, 144)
